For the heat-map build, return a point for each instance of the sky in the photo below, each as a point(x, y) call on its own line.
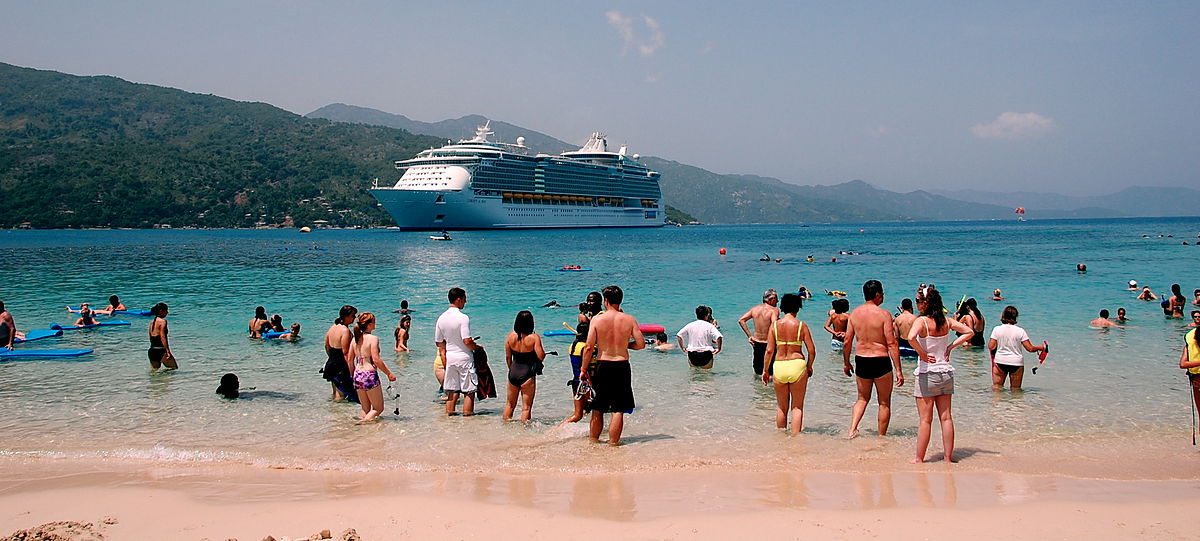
point(1079, 98)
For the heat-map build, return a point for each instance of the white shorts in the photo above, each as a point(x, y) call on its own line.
point(931, 384)
point(460, 378)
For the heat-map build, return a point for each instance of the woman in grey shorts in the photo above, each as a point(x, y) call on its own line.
point(930, 337)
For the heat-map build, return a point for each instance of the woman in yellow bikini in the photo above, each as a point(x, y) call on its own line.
point(787, 364)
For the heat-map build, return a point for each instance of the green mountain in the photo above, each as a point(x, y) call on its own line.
point(454, 129)
point(100, 151)
point(716, 198)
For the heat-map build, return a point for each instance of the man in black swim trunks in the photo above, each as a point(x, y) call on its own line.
point(763, 315)
point(871, 334)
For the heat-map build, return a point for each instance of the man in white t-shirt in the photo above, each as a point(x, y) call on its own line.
point(453, 338)
point(1008, 344)
point(700, 339)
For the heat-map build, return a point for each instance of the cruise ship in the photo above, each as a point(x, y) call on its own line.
point(481, 184)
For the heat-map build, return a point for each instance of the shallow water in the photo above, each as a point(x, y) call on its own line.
point(1113, 385)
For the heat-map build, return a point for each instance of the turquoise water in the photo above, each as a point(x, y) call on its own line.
point(1097, 384)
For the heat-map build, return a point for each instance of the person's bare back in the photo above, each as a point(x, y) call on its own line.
point(872, 331)
point(903, 323)
point(611, 335)
point(762, 316)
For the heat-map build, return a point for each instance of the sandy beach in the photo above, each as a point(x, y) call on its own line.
point(129, 500)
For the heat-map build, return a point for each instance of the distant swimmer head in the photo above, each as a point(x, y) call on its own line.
point(996, 292)
point(114, 300)
point(840, 306)
point(404, 304)
point(1104, 313)
point(260, 312)
point(661, 337)
point(295, 329)
point(1120, 313)
point(229, 386)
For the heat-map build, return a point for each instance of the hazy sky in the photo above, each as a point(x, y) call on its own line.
point(1073, 97)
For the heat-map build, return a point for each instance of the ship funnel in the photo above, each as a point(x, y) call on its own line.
point(623, 149)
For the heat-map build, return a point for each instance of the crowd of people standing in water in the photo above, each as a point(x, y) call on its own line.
point(873, 344)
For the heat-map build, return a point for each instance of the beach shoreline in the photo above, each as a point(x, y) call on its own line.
point(145, 500)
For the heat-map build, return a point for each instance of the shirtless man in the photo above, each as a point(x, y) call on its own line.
point(875, 356)
point(763, 315)
point(1103, 321)
point(8, 329)
point(611, 335)
point(903, 323)
point(1147, 295)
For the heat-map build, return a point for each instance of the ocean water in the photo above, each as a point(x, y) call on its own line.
point(1100, 391)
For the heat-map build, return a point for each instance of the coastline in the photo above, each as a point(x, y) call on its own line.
point(221, 501)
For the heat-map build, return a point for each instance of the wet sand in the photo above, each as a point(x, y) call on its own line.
point(143, 500)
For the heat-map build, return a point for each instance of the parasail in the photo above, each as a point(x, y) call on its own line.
point(1020, 210)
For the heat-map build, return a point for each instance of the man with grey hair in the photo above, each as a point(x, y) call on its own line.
point(762, 315)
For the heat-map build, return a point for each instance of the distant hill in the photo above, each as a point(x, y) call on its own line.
point(100, 151)
point(1132, 201)
point(455, 129)
point(716, 198)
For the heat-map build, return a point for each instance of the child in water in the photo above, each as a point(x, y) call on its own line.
point(576, 355)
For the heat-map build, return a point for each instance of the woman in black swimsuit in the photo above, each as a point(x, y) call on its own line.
point(524, 354)
point(160, 350)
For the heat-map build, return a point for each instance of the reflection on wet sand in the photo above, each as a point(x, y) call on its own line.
point(603, 496)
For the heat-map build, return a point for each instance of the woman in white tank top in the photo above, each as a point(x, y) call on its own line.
point(930, 337)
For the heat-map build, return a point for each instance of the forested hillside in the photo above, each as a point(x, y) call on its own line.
point(100, 151)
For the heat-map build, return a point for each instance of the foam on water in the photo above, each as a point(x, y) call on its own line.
point(1113, 384)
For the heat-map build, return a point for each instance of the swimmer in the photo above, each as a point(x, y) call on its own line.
point(997, 295)
point(778, 260)
point(229, 386)
point(833, 260)
point(1147, 295)
point(810, 258)
point(765, 257)
point(1102, 321)
point(1177, 302)
point(1133, 285)
point(1081, 268)
point(259, 323)
point(552, 304)
point(837, 322)
point(114, 304)
point(1196, 300)
point(403, 308)
point(86, 316)
point(1195, 319)
point(1121, 315)
point(805, 294)
point(663, 343)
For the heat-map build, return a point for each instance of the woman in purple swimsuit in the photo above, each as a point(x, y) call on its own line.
point(366, 361)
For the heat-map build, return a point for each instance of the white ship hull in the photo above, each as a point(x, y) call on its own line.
point(456, 210)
